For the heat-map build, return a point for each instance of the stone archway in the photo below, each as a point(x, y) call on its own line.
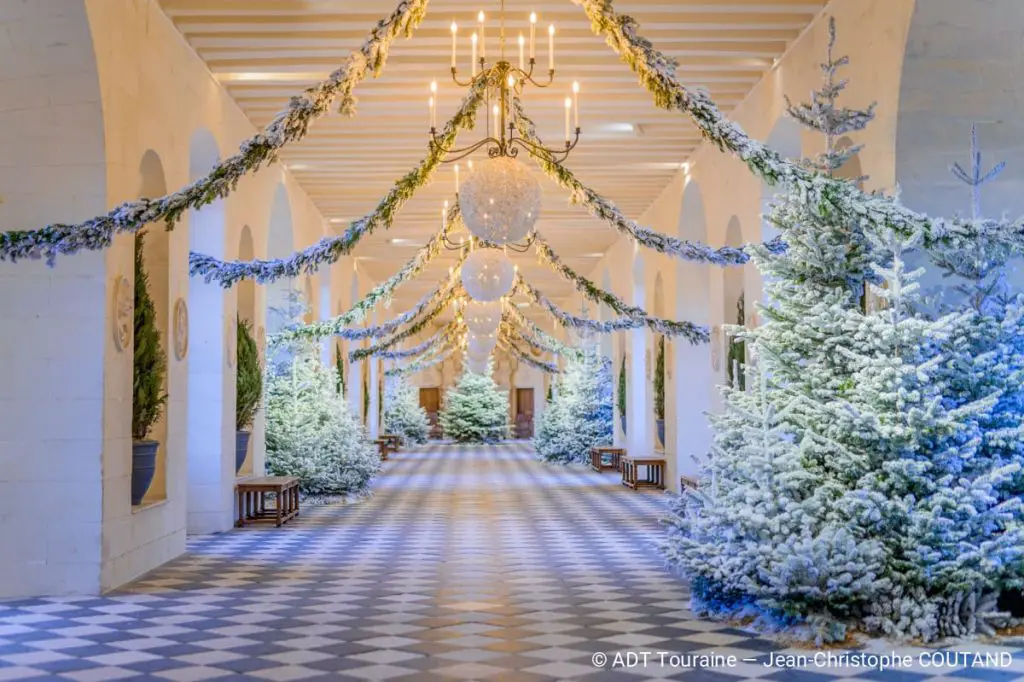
point(156, 263)
point(58, 455)
point(936, 112)
point(211, 363)
point(280, 244)
point(639, 420)
point(691, 391)
point(736, 309)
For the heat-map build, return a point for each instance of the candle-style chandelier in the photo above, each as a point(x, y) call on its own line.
point(502, 81)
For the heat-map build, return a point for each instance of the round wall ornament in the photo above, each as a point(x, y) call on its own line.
point(180, 329)
point(716, 348)
point(123, 313)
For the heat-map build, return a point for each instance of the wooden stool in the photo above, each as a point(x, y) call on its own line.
point(606, 459)
point(252, 500)
point(655, 473)
point(383, 447)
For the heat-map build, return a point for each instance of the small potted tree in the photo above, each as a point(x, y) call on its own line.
point(622, 394)
point(659, 391)
point(149, 367)
point(249, 390)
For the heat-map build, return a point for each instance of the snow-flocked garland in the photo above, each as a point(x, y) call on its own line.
point(536, 337)
point(657, 73)
point(340, 325)
point(329, 249)
point(510, 347)
point(693, 333)
point(426, 362)
point(451, 293)
point(439, 340)
point(290, 125)
point(602, 208)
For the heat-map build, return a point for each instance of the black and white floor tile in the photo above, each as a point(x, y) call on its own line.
point(467, 563)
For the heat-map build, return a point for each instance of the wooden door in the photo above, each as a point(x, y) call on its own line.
point(524, 413)
point(430, 400)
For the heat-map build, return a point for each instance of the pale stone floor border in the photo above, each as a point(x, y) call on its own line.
point(467, 563)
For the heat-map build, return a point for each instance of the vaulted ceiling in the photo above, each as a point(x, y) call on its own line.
point(264, 51)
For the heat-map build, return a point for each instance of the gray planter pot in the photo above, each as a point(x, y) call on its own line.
point(622, 421)
point(660, 423)
point(241, 448)
point(143, 468)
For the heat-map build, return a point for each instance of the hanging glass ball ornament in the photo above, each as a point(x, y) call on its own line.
point(500, 200)
point(482, 317)
point(487, 274)
point(484, 343)
point(478, 355)
point(477, 366)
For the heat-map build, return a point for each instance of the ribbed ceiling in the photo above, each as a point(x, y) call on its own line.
point(264, 51)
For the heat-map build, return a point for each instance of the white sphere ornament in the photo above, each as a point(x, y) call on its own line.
point(487, 274)
point(478, 343)
point(477, 366)
point(483, 318)
point(500, 200)
point(477, 355)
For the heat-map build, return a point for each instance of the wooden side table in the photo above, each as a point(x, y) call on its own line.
point(383, 447)
point(606, 459)
point(252, 500)
point(652, 468)
point(394, 441)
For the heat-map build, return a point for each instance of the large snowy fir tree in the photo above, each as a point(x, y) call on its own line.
point(403, 414)
point(475, 410)
point(863, 480)
point(580, 413)
point(311, 432)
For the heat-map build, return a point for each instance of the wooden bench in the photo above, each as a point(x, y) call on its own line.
point(653, 470)
point(606, 459)
point(252, 500)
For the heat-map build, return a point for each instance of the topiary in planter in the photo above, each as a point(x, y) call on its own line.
point(659, 391)
point(249, 390)
point(149, 367)
point(621, 398)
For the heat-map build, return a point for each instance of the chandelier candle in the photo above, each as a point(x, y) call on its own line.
point(455, 43)
point(483, 37)
point(551, 48)
point(533, 35)
point(522, 46)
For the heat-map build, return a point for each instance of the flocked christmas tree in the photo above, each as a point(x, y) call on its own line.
point(836, 494)
point(580, 415)
point(475, 410)
point(403, 414)
point(311, 433)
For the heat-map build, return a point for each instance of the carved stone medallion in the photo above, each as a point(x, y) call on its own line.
point(123, 318)
point(716, 348)
point(180, 329)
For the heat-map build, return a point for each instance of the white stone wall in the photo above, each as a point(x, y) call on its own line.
point(89, 86)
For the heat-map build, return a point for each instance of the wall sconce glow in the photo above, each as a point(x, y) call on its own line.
point(299, 166)
point(398, 241)
point(617, 128)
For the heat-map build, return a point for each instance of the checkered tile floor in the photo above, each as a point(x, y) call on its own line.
point(466, 564)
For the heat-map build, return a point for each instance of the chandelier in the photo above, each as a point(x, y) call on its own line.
point(502, 81)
